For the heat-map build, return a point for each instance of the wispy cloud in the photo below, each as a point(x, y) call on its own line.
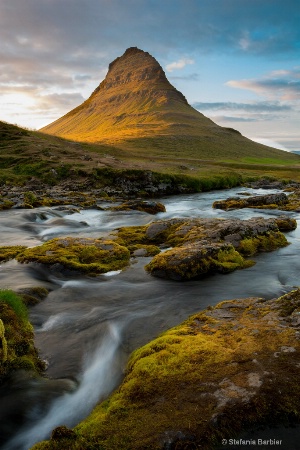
point(180, 64)
point(58, 101)
point(282, 84)
point(261, 106)
point(189, 77)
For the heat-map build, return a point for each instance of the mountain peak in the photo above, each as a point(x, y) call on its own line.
point(134, 100)
point(136, 66)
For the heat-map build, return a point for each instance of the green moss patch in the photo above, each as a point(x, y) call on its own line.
point(10, 252)
point(17, 349)
point(268, 242)
point(218, 373)
point(90, 256)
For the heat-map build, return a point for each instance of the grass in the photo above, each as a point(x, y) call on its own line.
point(16, 303)
point(17, 351)
point(197, 166)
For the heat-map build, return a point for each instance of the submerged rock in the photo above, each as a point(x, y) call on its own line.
point(220, 372)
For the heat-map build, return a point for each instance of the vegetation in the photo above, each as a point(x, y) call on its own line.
point(10, 252)
point(17, 349)
point(265, 243)
point(26, 156)
point(90, 256)
point(200, 382)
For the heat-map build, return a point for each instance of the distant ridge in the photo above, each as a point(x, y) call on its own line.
point(135, 107)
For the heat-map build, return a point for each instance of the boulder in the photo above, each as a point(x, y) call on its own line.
point(260, 201)
point(205, 246)
point(149, 207)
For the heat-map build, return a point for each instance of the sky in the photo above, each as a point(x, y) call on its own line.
point(236, 61)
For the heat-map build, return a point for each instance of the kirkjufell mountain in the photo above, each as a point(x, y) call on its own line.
point(136, 107)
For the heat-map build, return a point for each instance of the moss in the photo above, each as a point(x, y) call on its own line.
point(185, 263)
point(10, 252)
point(5, 204)
point(19, 352)
point(204, 380)
point(286, 223)
point(230, 204)
point(289, 303)
point(150, 250)
point(132, 235)
point(267, 242)
point(90, 256)
point(30, 199)
point(33, 295)
point(3, 347)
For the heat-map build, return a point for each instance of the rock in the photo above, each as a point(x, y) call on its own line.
point(140, 252)
point(33, 295)
point(260, 201)
point(205, 246)
point(83, 255)
point(194, 260)
point(62, 432)
point(157, 228)
point(141, 205)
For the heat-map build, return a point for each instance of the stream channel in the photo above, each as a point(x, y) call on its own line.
point(87, 327)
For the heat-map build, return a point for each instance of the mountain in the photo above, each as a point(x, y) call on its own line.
point(135, 107)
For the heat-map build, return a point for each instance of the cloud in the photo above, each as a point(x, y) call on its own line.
point(262, 106)
point(59, 101)
point(248, 118)
point(190, 77)
point(269, 142)
point(282, 84)
point(180, 64)
point(55, 46)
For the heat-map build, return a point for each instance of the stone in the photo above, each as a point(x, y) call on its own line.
point(261, 201)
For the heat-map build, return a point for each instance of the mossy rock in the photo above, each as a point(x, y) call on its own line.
point(85, 255)
point(5, 204)
point(205, 246)
point(193, 261)
point(269, 201)
point(219, 373)
point(144, 250)
point(33, 295)
point(149, 207)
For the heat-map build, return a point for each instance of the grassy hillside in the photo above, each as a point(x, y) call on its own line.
point(28, 154)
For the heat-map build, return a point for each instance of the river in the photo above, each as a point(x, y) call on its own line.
point(87, 327)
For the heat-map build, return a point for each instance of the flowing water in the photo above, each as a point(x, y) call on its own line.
point(87, 327)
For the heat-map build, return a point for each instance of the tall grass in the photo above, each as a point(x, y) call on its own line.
point(15, 302)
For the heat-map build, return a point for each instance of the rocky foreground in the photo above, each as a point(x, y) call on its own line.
point(224, 370)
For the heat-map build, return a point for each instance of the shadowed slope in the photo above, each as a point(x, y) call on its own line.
point(136, 108)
